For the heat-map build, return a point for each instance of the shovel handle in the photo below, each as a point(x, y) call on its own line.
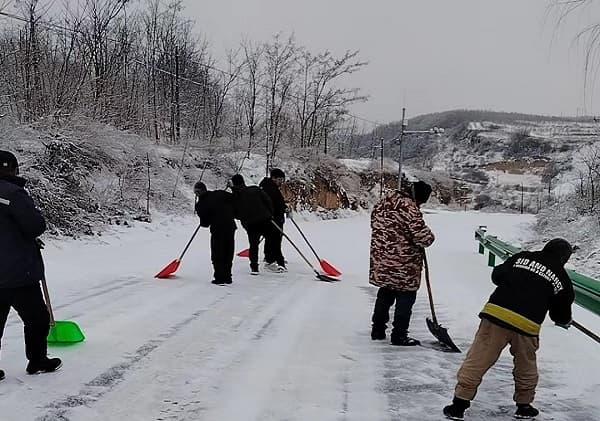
point(47, 298)
point(429, 292)
point(586, 331)
point(45, 289)
point(305, 239)
point(296, 247)
point(187, 246)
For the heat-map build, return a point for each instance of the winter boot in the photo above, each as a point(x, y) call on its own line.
point(526, 411)
point(405, 341)
point(377, 333)
point(221, 282)
point(2, 375)
point(47, 365)
point(456, 411)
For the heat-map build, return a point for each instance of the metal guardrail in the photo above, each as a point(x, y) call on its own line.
point(587, 290)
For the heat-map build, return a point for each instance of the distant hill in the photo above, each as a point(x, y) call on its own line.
point(454, 118)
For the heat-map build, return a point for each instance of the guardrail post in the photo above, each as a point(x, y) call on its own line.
point(491, 259)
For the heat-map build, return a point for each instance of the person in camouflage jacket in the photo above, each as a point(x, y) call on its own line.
point(398, 236)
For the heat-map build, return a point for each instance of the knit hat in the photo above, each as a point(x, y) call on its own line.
point(199, 188)
point(238, 180)
point(422, 191)
point(277, 173)
point(8, 161)
point(560, 247)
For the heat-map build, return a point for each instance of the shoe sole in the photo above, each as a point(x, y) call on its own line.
point(45, 372)
point(450, 417)
point(525, 417)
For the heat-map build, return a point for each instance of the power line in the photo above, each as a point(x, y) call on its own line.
point(55, 27)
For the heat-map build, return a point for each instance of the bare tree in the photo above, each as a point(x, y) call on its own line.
point(252, 75)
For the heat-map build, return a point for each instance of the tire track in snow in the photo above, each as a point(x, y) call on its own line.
point(106, 381)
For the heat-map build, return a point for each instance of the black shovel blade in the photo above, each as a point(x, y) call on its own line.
point(326, 278)
point(441, 334)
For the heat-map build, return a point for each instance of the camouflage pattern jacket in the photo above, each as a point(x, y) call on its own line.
point(398, 235)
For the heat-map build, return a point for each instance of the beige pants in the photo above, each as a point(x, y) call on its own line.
point(487, 346)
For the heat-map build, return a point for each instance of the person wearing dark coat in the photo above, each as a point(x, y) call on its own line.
point(21, 266)
point(529, 285)
point(216, 211)
point(273, 255)
point(254, 209)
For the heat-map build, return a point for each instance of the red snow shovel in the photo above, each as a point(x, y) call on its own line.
point(440, 333)
point(325, 265)
point(172, 267)
point(246, 252)
point(320, 276)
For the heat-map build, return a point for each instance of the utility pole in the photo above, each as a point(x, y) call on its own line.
point(403, 126)
point(433, 131)
point(521, 197)
point(381, 177)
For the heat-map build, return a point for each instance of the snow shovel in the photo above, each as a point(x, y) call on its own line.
point(246, 252)
point(327, 268)
point(61, 332)
point(440, 333)
point(320, 276)
point(172, 267)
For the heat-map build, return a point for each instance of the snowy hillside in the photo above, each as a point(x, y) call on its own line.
point(274, 347)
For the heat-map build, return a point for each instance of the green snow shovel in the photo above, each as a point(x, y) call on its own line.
point(61, 332)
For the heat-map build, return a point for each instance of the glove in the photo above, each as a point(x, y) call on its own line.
point(39, 243)
point(564, 326)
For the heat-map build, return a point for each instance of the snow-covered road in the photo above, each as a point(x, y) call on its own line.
point(273, 347)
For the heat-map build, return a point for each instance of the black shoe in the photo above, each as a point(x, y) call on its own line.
point(221, 282)
point(377, 335)
point(526, 411)
point(2, 375)
point(456, 411)
point(405, 341)
point(47, 365)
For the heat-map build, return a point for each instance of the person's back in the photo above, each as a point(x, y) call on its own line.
point(529, 284)
point(271, 186)
point(20, 224)
point(252, 205)
point(216, 210)
point(398, 236)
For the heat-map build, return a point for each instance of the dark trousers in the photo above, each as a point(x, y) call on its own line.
point(221, 252)
point(273, 241)
point(255, 232)
point(381, 314)
point(31, 308)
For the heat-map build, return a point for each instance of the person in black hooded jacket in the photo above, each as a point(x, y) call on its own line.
point(21, 265)
point(273, 255)
point(215, 210)
point(529, 285)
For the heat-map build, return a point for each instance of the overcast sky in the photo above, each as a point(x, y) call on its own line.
point(429, 55)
